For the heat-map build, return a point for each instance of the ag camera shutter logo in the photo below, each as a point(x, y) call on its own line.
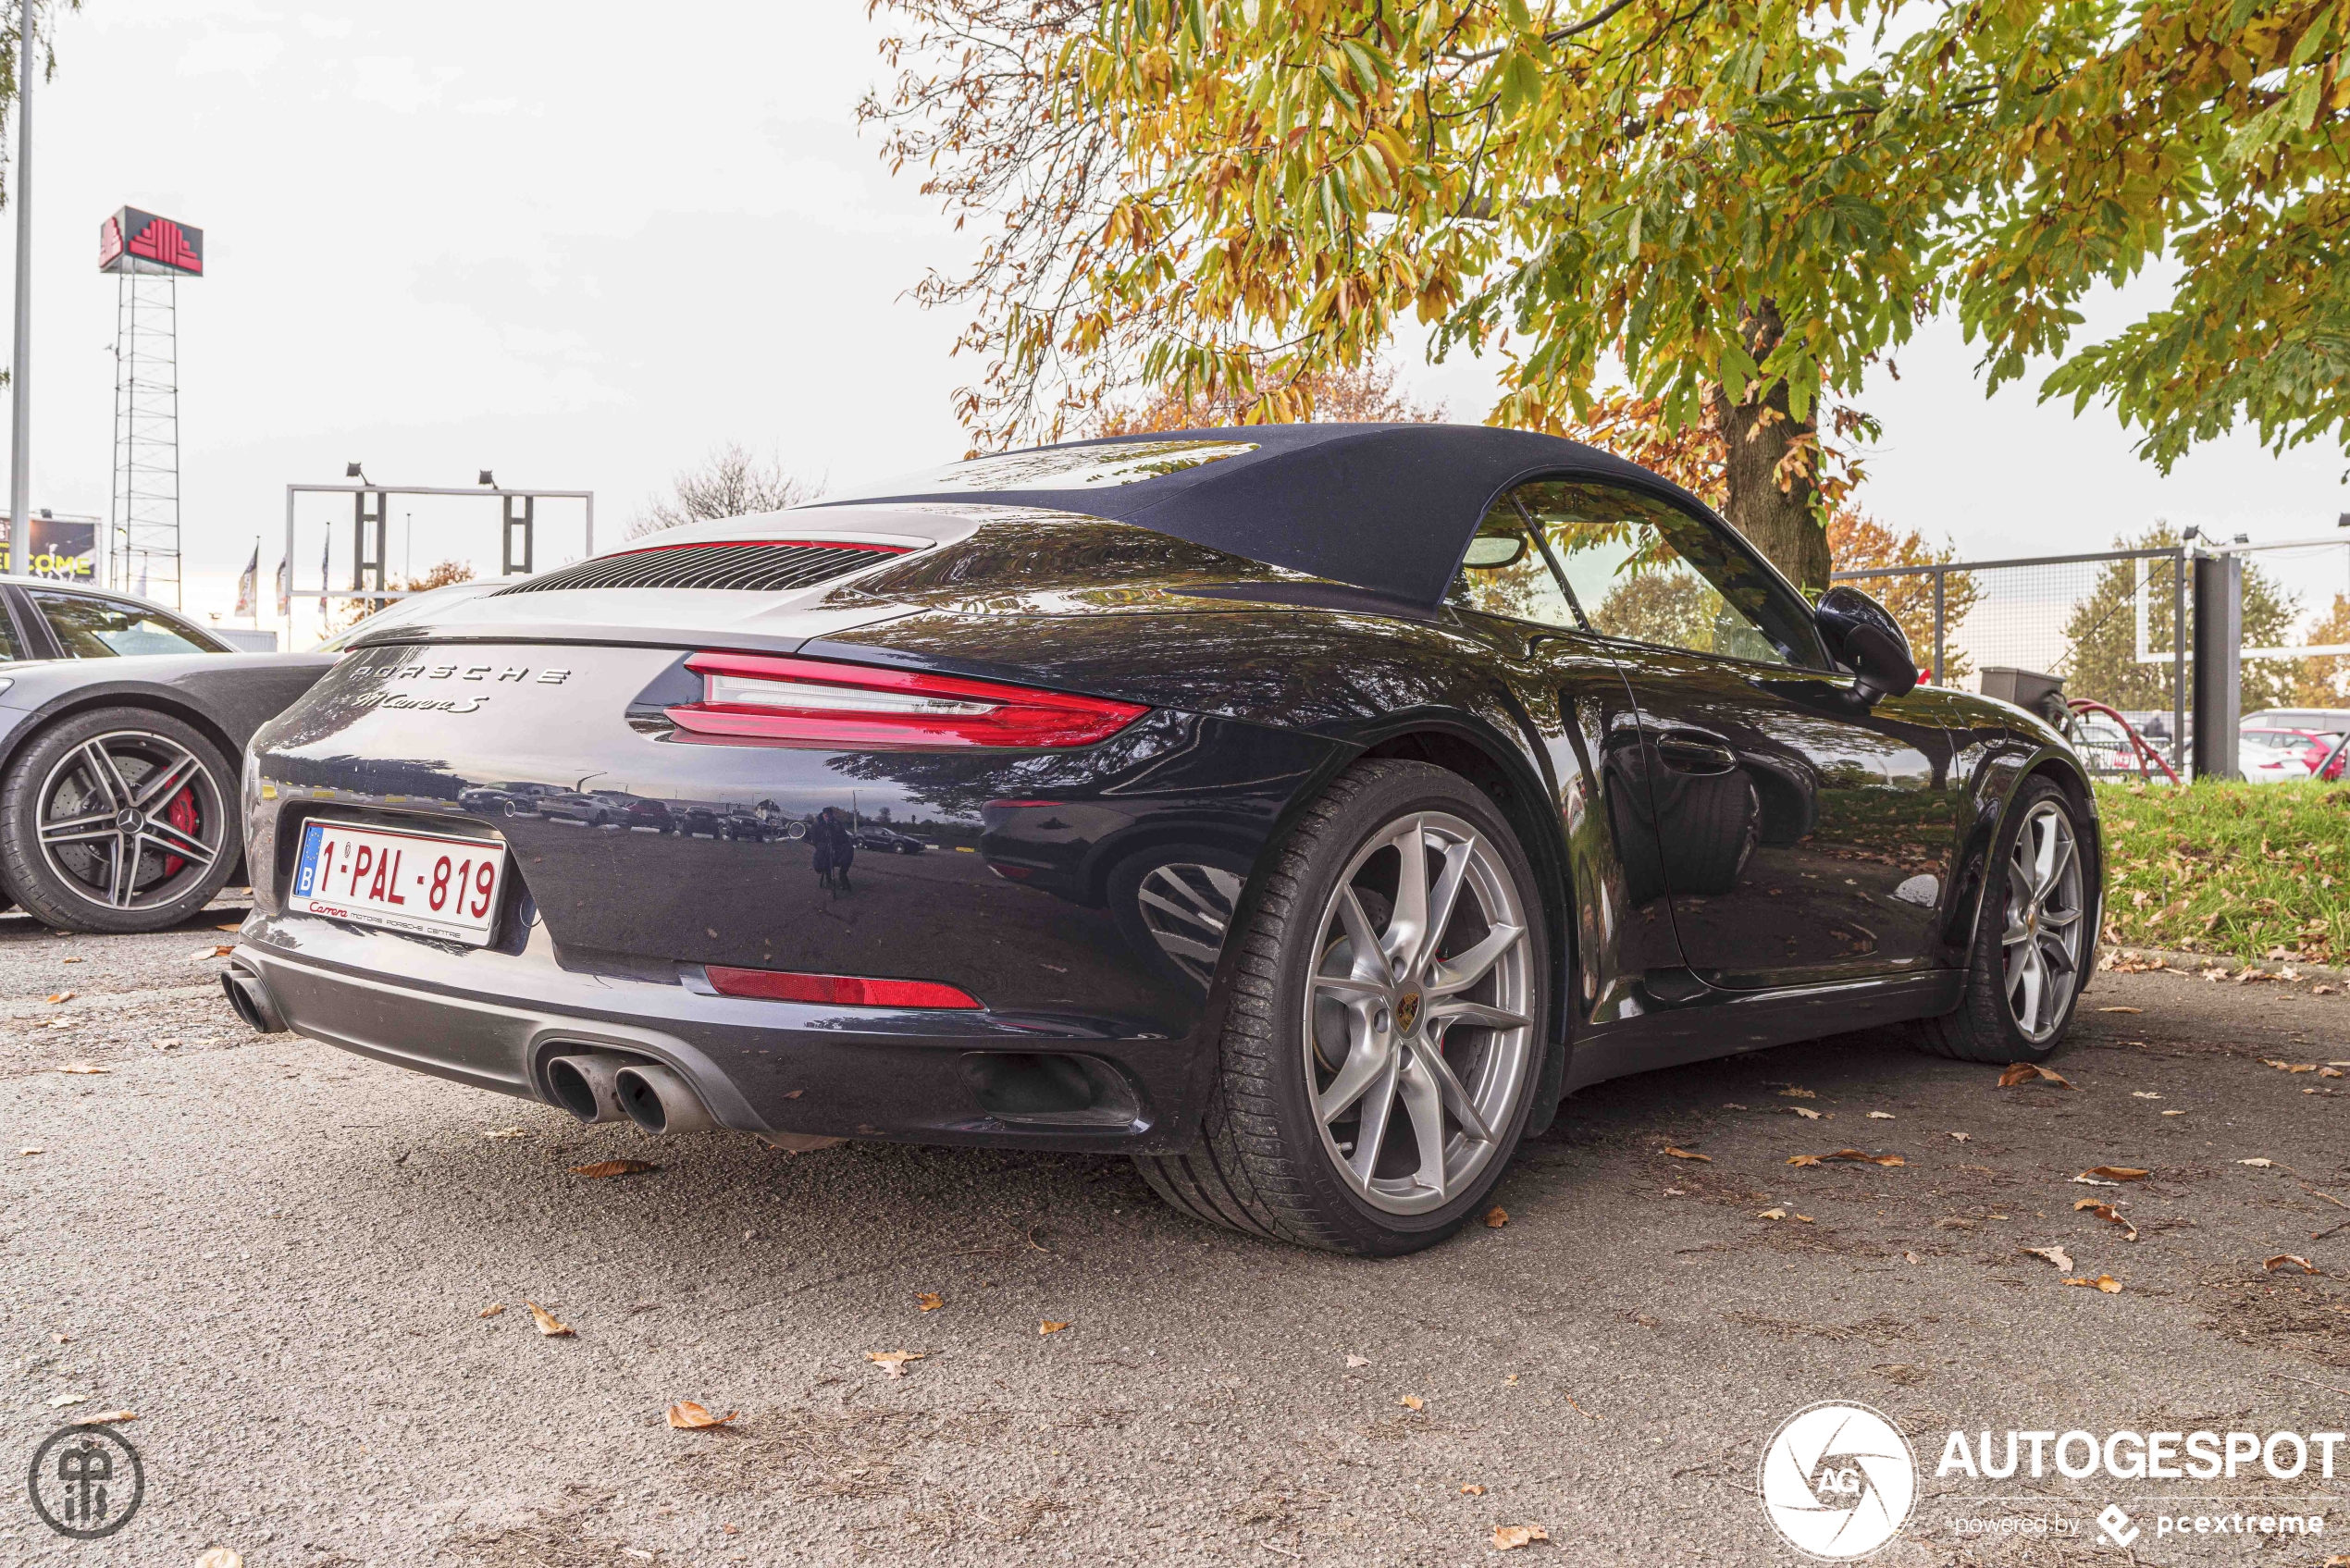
point(1839, 1480)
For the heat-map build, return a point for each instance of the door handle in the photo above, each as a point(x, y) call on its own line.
point(1695, 754)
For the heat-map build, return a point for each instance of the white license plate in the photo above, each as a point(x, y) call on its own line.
point(412, 882)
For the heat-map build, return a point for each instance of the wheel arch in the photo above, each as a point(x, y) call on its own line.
point(1998, 784)
point(1516, 789)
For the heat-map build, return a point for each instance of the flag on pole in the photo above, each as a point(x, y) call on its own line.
point(247, 580)
point(285, 588)
point(325, 552)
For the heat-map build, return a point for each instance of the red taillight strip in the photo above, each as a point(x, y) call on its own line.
point(1017, 716)
point(838, 990)
point(779, 544)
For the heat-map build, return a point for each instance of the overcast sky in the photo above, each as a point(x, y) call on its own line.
point(583, 244)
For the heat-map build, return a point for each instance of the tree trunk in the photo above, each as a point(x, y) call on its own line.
point(1756, 434)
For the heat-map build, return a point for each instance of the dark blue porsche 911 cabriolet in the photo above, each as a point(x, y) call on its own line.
point(1307, 810)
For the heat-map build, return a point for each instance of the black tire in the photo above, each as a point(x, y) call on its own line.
point(1983, 1027)
point(70, 884)
point(1262, 1165)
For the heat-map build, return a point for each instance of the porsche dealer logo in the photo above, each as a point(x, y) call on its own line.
point(1839, 1480)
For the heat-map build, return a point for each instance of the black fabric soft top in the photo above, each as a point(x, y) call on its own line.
point(1390, 507)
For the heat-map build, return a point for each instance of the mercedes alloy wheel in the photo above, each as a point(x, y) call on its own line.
point(117, 821)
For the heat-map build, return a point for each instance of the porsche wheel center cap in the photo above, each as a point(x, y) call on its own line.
point(1408, 1012)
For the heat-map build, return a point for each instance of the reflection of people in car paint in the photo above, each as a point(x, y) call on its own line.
point(835, 847)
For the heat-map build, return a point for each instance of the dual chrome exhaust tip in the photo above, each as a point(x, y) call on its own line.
point(597, 1087)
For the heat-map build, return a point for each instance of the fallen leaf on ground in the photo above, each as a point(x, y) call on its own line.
point(893, 1362)
point(2288, 1067)
point(106, 1418)
point(1803, 1159)
point(687, 1416)
point(83, 1070)
point(2106, 1212)
point(1797, 1094)
point(602, 1168)
point(2056, 1255)
point(1883, 1115)
point(505, 1132)
point(2304, 1265)
point(2117, 1172)
point(2262, 1163)
point(1047, 1326)
point(1805, 1112)
point(2105, 1282)
point(61, 996)
point(929, 1300)
point(218, 950)
point(1358, 1361)
point(2329, 1072)
point(2031, 1073)
point(1677, 1154)
point(492, 1310)
point(221, 1557)
point(33, 1149)
point(1413, 1401)
point(73, 960)
point(2174, 1113)
point(547, 1323)
point(1472, 1491)
point(2143, 1094)
point(1509, 1537)
point(63, 1400)
point(1849, 1155)
point(170, 1042)
point(1772, 1214)
point(2120, 1009)
point(2326, 990)
point(1962, 1137)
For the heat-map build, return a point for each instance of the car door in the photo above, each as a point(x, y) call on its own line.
point(1804, 835)
point(1509, 598)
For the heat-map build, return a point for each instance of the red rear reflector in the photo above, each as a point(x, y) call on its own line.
point(839, 990)
point(751, 698)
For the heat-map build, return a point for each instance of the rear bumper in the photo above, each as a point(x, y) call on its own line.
point(494, 1020)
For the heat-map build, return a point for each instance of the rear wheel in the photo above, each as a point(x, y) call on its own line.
point(1381, 1043)
point(2033, 940)
point(119, 819)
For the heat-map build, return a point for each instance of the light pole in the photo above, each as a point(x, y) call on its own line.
point(21, 383)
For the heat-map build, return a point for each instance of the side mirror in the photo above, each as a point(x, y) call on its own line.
point(1864, 638)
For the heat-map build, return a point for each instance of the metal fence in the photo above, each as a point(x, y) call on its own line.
point(2115, 627)
point(2119, 628)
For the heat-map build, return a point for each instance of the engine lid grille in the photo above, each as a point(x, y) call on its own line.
point(760, 567)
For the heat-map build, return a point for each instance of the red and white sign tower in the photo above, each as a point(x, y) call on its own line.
point(149, 256)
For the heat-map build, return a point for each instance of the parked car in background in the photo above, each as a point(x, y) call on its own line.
point(874, 837)
point(121, 726)
point(2281, 748)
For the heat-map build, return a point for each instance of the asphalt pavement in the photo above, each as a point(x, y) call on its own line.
point(310, 1277)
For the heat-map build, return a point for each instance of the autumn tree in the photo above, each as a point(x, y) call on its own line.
point(729, 483)
point(2323, 680)
point(1369, 394)
point(1745, 205)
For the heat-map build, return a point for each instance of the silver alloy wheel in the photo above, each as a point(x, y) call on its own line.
point(2042, 939)
point(1429, 1007)
point(105, 826)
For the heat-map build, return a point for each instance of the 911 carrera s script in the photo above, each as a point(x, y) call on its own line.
point(442, 887)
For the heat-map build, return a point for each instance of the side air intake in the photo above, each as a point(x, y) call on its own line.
point(758, 568)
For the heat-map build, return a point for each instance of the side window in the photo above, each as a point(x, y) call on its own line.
point(1649, 571)
point(1504, 574)
point(103, 628)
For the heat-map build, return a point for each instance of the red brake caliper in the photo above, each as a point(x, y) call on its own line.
point(180, 814)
